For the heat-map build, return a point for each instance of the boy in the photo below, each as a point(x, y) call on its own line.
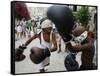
point(47, 38)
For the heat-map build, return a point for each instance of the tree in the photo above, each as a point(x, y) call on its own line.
point(83, 15)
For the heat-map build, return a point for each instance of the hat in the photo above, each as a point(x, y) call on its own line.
point(46, 23)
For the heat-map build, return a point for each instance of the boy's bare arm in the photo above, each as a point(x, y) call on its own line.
point(88, 45)
point(84, 47)
point(32, 38)
point(54, 43)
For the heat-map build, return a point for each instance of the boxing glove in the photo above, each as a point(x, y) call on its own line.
point(70, 63)
point(37, 55)
point(19, 56)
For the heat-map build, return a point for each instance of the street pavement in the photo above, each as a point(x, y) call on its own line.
point(56, 59)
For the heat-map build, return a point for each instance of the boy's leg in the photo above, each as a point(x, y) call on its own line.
point(20, 34)
point(43, 64)
point(41, 67)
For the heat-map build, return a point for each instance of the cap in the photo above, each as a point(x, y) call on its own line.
point(46, 23)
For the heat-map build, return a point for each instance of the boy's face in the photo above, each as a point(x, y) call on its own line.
point(47, 30)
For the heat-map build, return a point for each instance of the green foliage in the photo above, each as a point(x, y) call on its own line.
point(83, 15)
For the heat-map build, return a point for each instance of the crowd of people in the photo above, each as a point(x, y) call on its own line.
point(24, 28)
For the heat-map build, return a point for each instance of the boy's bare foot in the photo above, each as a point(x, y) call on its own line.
point(42, 70)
